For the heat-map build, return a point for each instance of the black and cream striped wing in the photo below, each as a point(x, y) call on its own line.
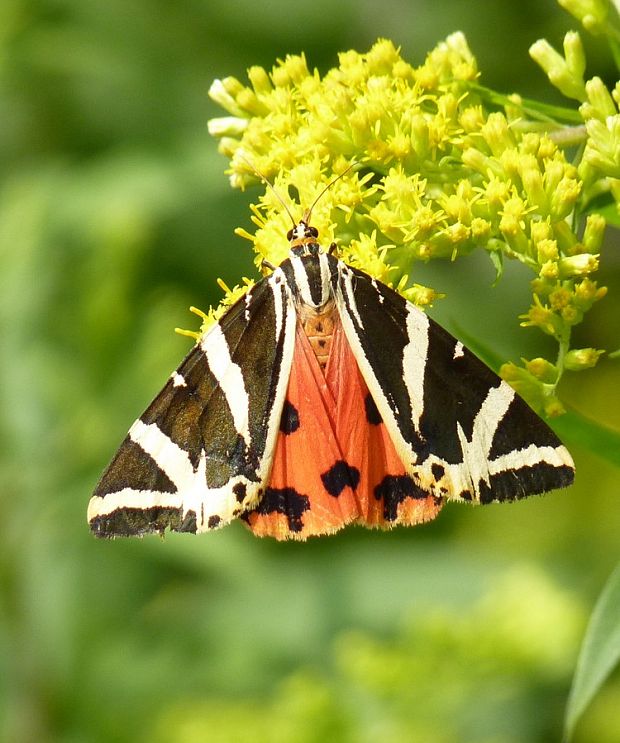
point(462, 432)
point(201, 452)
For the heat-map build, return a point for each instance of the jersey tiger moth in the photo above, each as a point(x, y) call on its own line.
point(321, 398)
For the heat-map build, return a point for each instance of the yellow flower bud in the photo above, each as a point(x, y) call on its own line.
point(540, 230)
point(547, 148)
point(471, 118)
point(574, 54)
point(585, 290)
point(582, 358)
point(533, 184)
point(524, 383)
point(221, 95)
point(382, 57)
point(403, 70)
point(594, 232)
point(542, 317)
point(231, 126)
point(543, 370)
point(552, 407)
point(592, 13)
point(600, 98)
point(554, 172)
point(480, 228)
point(558, 71)
point(260, 80)
point(227, 146)
point(249, 101)
point(497, 134)
point(293, 70)
point(603, 147)
point(560, 298)
point(564, 197)
point(547, 250)
point(571, 315)
point(232, 86)
point(577, 265)
point(549, 270)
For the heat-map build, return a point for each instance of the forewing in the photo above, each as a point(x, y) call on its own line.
point(202, 450)
point(461, 432)
point(387, 495)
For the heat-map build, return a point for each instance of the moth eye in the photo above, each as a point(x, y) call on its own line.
point(289, 235)
point(313, 232)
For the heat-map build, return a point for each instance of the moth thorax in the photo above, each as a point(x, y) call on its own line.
point(318, 325)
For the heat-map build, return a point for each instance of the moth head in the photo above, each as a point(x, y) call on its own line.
point(303, 239)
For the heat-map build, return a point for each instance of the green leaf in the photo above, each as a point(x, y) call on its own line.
point(611, 214)
point(497, 259)
point(600, 653)
point(606, 207)
point(575, 428)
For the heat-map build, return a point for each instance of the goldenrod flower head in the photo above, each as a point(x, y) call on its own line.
point(436, 171)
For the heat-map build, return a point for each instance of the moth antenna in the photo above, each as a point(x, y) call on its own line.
point(308, 213)
point(269, 185)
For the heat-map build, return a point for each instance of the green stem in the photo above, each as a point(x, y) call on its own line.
point(614, 47)
point(569, 136)
point(564, 345)
point(535, 109)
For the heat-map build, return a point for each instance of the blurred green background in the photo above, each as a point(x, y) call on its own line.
point(115, 216)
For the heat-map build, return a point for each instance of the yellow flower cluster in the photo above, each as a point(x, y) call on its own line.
point(437, 174)
point(214, 313)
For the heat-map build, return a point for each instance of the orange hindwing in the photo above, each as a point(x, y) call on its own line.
point(334, 461)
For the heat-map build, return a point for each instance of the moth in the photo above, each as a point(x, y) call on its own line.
point(323, 398)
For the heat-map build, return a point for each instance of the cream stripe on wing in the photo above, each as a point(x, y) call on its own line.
point(230, 379)
point(476, 452)
point(556, 456)
point(301, 281)
point(414, 361)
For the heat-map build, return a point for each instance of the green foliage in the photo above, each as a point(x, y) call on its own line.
point(427, 682)
point(600, 652)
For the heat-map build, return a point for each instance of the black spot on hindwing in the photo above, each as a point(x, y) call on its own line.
point(289, 422)
point(393, 489)
point(339, 476)
point(373, 416)
point(286, 501)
